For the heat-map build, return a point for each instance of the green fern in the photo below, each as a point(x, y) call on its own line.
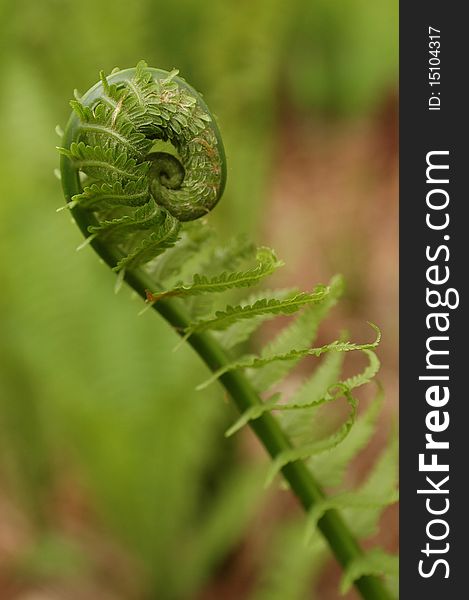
point(300, 333)
point(201, 284)
point(363, 507)
point(232, 314)
point(136, 203)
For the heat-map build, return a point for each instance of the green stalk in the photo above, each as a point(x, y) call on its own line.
point(341, 541)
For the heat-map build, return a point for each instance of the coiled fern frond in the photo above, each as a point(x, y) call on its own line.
point(142, 165)
point(140, 191)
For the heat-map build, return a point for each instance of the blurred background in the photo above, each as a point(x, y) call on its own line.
point(116, 481)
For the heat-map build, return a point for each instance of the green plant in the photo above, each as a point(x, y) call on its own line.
point(142, 159)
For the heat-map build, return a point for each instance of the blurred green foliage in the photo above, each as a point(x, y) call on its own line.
point(88, 391)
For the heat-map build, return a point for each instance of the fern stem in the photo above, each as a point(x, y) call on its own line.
point(340, 539)
point(267, 429)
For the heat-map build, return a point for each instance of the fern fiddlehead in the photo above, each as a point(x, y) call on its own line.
point(142, 162)
point(152, 157)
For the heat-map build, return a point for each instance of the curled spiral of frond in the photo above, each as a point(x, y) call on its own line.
point(147, 154)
